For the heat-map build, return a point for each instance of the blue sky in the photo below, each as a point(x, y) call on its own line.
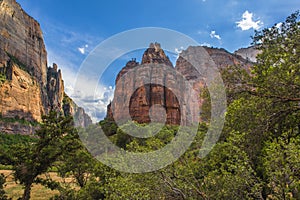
point(72, 29)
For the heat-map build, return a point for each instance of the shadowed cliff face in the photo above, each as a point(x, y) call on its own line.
point(55, 88)
point(134, 96)
point(148, 97)
point(31, 87)
point(249, 53)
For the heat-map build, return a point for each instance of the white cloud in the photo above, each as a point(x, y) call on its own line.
point(94, 102)
point(174, 57)
point(279, 25)
point(205, 44)
point(214, 35)
point(179, 50)
point(82, 50)
point(247, 22)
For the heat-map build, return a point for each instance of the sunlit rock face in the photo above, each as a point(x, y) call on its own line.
point(31, 88)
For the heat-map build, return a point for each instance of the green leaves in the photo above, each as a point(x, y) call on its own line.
point(55, 137)
point(281, 167)
point(267, 111)
point(2, 78)
point(3, 195)
point(277, 73)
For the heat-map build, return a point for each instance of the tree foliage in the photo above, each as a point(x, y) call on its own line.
point(55, 137)
point(3, 195)
point(266, 109)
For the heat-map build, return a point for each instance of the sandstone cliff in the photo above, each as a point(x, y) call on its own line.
point(150, 91)
point(136, 92)
point(21, 95)
point(135, 95)
point(28, 87)
point(21, 37)
point(69, 107)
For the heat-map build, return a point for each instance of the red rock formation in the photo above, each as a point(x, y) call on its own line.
point(138, 96)
point(17, 128)
point(143, 91)
point(155, 54)
point(134, 95)
point(20, 97)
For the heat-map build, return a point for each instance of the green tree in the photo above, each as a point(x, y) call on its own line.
point(273, 87)
point(281, 167)
point(228, 172)
point(277, 73)
point(56, 136)
point(266, 108)
point(78, 164)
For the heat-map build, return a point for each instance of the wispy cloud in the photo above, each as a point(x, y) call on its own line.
point(213, 34)
point(247, 22)
point(68, 43)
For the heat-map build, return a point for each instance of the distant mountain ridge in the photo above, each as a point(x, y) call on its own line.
point(29, 88)
point(248, 53)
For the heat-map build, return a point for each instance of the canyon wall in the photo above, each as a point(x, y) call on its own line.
point(29, 88)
